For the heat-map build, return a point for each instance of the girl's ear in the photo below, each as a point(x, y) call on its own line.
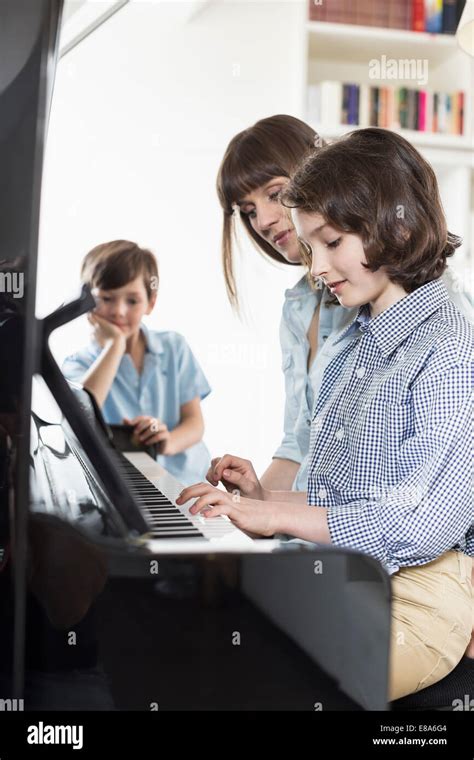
point(152, 302)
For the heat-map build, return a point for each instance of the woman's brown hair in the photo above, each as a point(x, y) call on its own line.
point(272, 147)
point(114, 264)
point(375, 184)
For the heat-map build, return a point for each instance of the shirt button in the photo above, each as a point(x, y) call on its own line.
point(360, 372)
point(325, 337)
point(308, 422)
point(340, 434)
point(322, 493)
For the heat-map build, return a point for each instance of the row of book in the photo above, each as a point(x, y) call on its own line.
point(333, 103)
point(437, 16)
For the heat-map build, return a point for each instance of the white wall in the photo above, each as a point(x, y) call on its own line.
point(142, 112)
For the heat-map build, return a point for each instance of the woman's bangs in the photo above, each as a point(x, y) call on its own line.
point(247, 169)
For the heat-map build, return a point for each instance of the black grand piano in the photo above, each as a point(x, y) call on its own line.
point(91, 539)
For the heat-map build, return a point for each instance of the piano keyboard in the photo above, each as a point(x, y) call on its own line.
point(172, 527)
point(164, 518)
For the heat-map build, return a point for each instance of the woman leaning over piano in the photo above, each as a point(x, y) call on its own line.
point(390, 433)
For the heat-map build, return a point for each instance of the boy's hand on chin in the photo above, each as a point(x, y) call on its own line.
point(105, 331)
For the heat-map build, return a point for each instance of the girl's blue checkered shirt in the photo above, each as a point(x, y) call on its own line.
point(391, 435)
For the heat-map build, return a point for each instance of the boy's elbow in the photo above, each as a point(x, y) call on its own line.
point(200, 430)
point(192, 418)
point(93, 391)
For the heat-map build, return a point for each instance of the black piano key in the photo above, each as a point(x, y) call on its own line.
point(174, 533)
point(155, 520)
point(163, 517)
point(165, 513)
point(168, 524)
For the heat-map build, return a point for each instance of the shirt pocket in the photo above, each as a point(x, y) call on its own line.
point(378, 445)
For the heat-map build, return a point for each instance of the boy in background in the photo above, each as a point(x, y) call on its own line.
point(140, 377)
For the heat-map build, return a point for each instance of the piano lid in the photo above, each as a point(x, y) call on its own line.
point(28, 50)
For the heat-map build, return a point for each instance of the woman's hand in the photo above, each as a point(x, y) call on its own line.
point(104, 331)
point(236, 473)
point(253, 517)
point(150, 430)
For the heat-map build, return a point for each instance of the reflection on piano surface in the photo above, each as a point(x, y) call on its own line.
point(67, 483)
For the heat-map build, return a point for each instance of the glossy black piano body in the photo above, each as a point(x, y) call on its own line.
point(219, 602)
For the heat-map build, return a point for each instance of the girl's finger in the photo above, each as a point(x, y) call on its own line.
point(233, 476)
point(192, 492)
point(228, 462)
point(217, 511)
point(213, 499)
point(210, 475)
point(221, 464)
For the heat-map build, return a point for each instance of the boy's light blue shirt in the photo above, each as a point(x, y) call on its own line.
point(301, 387)
point(171, 377)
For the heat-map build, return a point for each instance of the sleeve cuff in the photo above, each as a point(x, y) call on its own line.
point(288, 452)
point(201, 392)
point(357, 527)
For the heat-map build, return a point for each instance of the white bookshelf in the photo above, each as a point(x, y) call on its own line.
point(328, 40)
point(444, 149)
point(342, 52)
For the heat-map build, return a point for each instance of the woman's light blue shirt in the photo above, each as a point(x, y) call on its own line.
point(171, 377)
point(301, 387)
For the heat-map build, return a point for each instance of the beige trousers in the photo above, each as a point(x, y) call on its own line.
point(432, 617)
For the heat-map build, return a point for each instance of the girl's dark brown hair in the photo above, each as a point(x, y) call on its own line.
point(272, 147)
point(375, 184)
point(114, 264)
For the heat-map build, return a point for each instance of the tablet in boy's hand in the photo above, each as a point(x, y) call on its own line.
point(124, 440)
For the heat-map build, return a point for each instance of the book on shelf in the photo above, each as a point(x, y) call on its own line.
point(434, 16)
point(334, 103)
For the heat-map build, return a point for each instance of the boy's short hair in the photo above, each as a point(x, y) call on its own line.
point(113, 265)
point(374, 184)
